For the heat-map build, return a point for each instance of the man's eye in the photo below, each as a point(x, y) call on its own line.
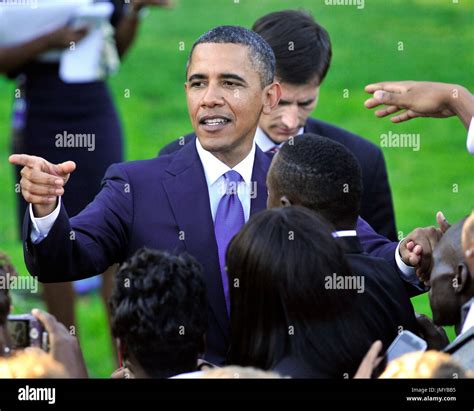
point(230, 84)
point(196, 84)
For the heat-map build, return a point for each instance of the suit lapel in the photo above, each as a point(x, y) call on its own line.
point(188, 195)
point(259, 186)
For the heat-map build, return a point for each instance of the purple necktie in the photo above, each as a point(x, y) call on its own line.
point(229, 220)
point(274, 150)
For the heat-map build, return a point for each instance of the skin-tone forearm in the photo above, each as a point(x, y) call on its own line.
point(463, 105)
point(14, 57)
point(126, 32)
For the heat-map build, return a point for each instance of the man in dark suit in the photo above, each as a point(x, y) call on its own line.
point(191, 201)
point(326, 178)
point(303, 54)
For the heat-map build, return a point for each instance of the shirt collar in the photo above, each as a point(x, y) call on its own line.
point(214, 168)
point(345, 233)
point(265, 143)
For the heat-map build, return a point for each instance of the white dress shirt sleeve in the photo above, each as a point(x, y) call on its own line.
point(40, 227)
point(470, 138)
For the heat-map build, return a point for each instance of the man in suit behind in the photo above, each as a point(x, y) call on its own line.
point(193, 201)
point(325, 177)
point(303, 54)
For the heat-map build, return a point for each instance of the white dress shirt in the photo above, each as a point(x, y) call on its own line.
point(470, 137)
point(214, 171)
point(265, 143)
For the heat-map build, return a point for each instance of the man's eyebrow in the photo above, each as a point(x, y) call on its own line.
point(306, 102)
point(232, 76)
point(301, 103)
point(197, 76)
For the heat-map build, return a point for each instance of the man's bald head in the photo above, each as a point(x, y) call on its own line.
point(451, 281)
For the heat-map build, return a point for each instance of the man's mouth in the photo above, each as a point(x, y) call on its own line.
point(211, 123)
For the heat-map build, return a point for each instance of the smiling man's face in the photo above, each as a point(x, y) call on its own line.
point(225, 97)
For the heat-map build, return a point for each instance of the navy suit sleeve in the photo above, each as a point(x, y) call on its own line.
point(89, 243)
point(380, 206)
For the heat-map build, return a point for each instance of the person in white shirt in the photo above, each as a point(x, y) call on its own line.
point(423, 99)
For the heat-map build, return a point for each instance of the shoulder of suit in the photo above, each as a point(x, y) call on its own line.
point(339, 134)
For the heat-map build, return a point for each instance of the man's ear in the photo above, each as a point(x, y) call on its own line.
point(285, 201)
point(272, 94)
point(462, 278)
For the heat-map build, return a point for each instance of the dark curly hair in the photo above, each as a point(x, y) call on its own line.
point(6, 267)
point(159, 311)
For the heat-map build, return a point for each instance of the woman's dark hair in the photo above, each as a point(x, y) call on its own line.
point(278, 265)
point(159, 311)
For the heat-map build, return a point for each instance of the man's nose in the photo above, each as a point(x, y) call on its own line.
point(212, 97)
point(289, 117)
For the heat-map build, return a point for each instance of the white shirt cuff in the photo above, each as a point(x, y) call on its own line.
point(470, 138)
point(408, 272)
point(41, 226)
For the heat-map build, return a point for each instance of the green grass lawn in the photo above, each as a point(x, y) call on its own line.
point(437, 45)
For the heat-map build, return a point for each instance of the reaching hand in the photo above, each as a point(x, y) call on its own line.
point(417, 98)
point(416, 249)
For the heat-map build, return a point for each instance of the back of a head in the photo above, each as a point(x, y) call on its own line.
point(6, 272)
point(260, 53)
point(159, 311)
point(233, 371)
point(278, 264)
point(302, 47)
point(322, 175)
point(430, 364)
point(31, 363)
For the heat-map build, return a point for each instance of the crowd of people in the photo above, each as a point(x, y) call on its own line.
point(263, 244)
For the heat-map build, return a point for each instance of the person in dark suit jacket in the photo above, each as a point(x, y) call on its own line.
point(326, 178)
point(172, 202)
point(146, 203)
point(301, 70)
point(289, 313)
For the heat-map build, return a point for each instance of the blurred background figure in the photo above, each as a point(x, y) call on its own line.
point(31, 363)
point(45, 106)
point(429, 364)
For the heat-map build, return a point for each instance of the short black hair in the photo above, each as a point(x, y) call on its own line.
point(6, 272)
point(159, 311)
point(260, 53)
point(302, 47)
point(322, 175)
point(277, 265)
